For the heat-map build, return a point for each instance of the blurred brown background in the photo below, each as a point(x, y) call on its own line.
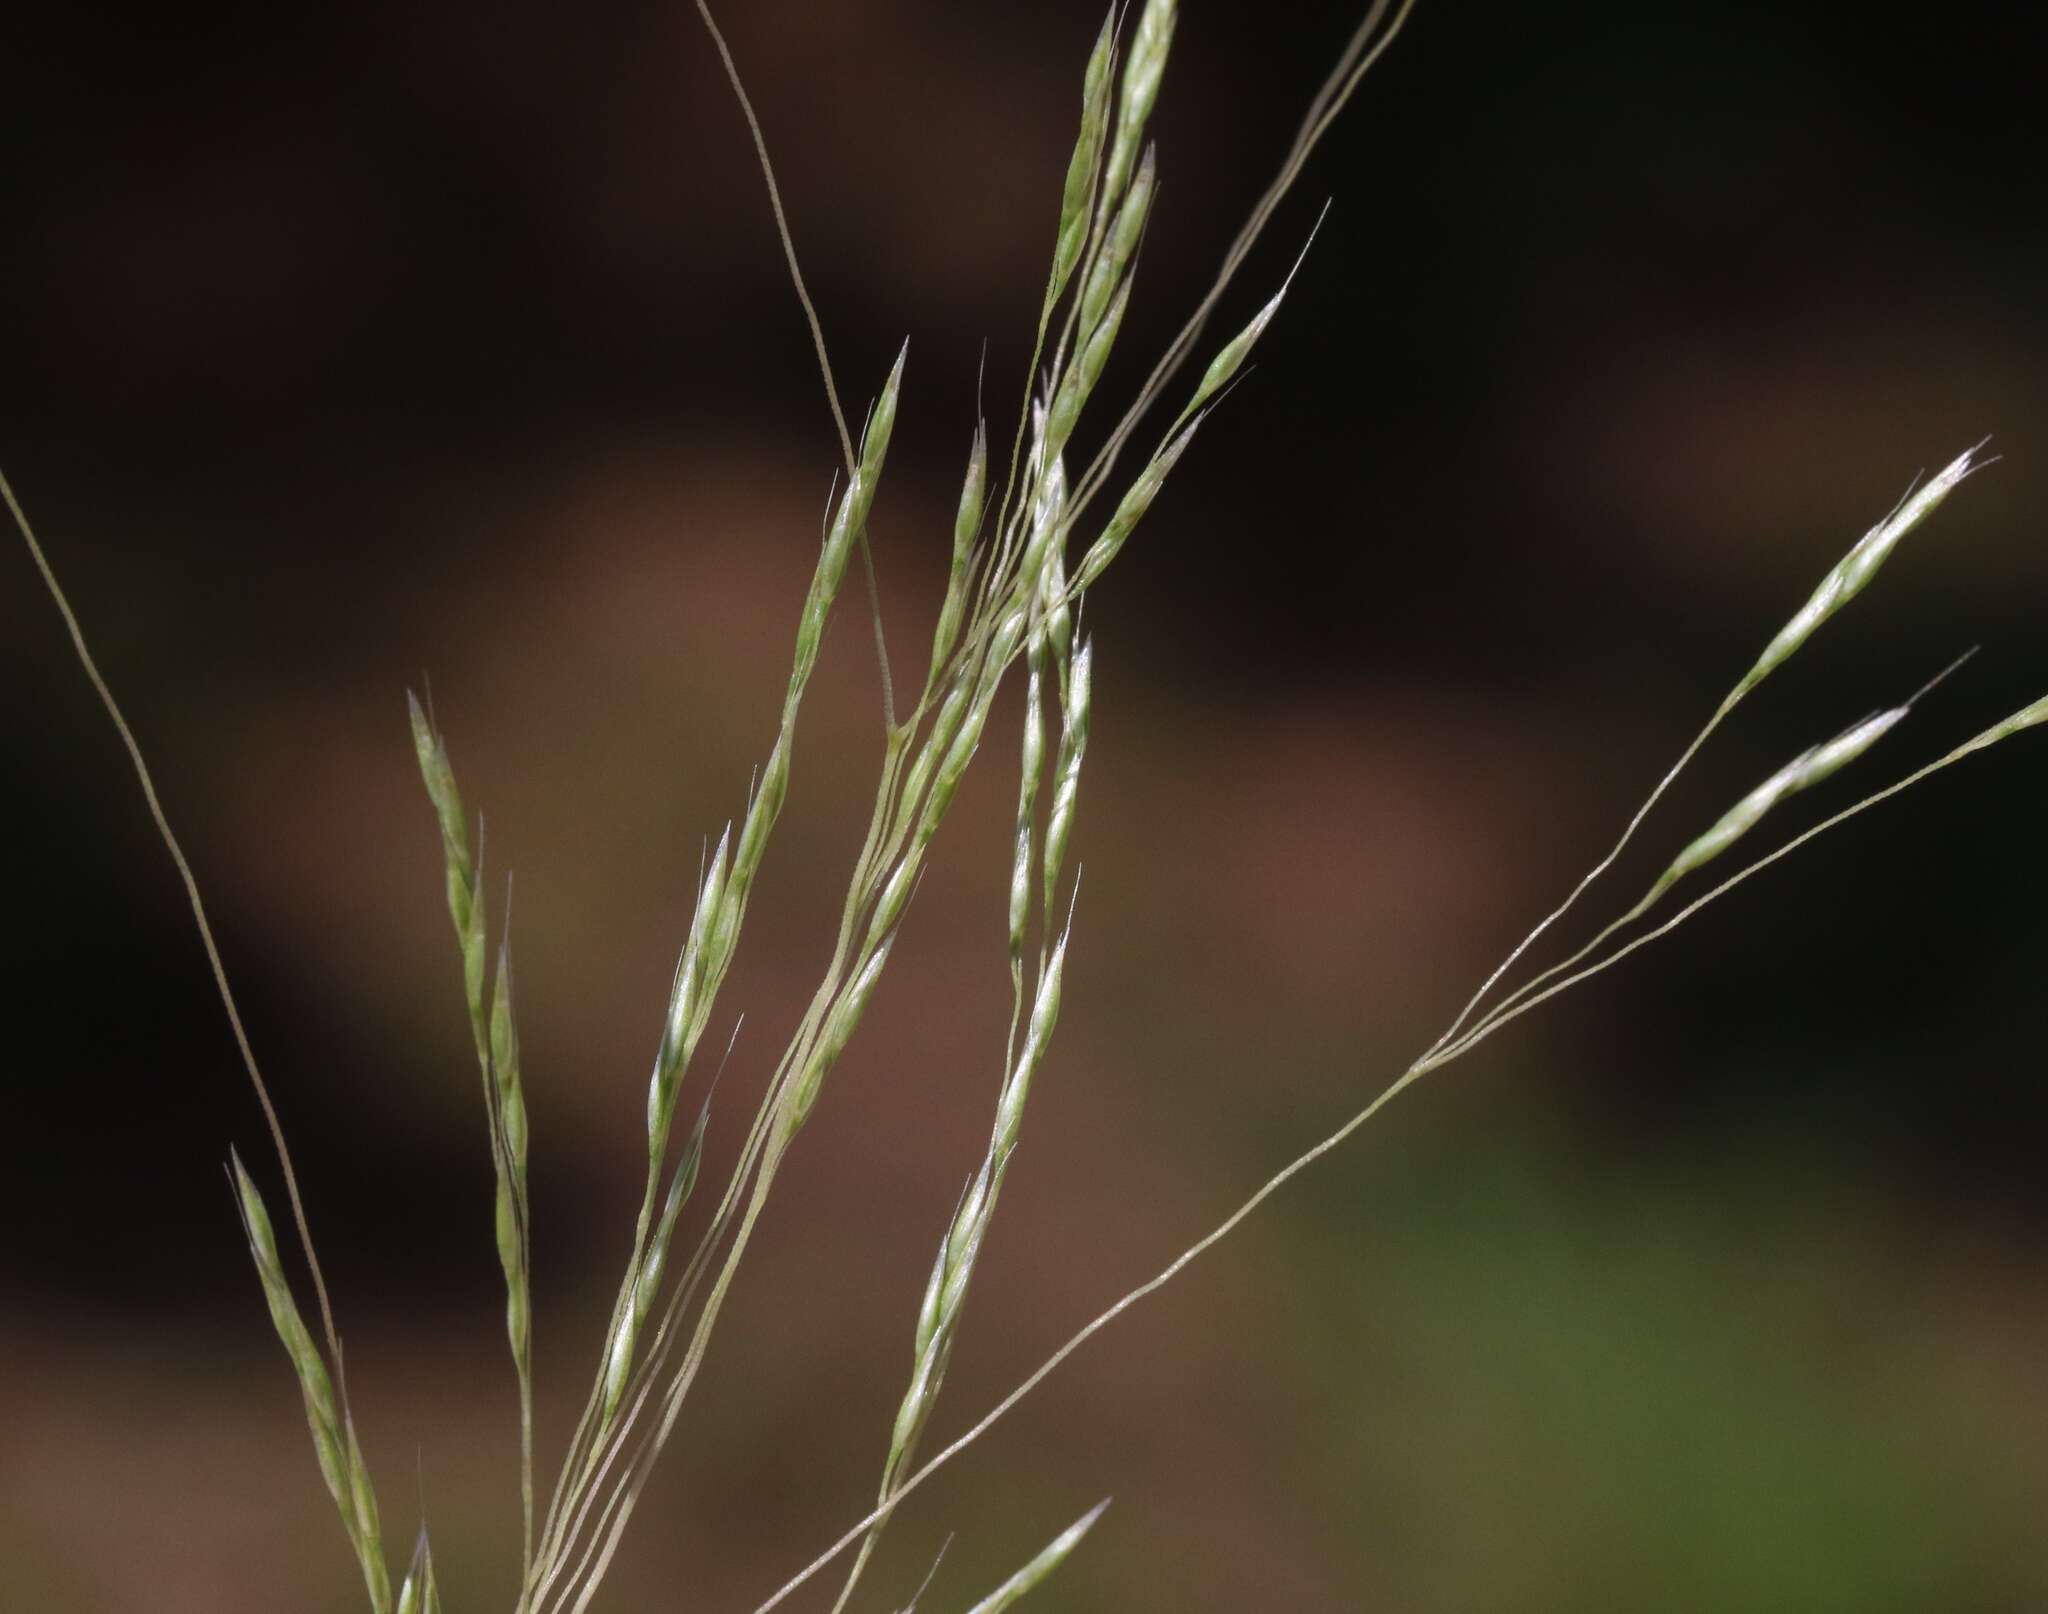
point(352, 345)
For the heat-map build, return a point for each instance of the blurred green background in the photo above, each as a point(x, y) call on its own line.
point(354, 345)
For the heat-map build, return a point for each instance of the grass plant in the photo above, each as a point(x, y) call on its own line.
point(1024, 553)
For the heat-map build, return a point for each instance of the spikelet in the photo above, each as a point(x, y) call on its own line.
point(1119, 244)
point(1049, 1558)
point(966, 527)
point(1076, 712)
point(1804, 771)
point(421, 1593)
point(1083, 166)
point(1131, 508)
point(334, 1443)
point(647, 1278)
point(1853, 572)
point(1238, 348)
point(1140, 92)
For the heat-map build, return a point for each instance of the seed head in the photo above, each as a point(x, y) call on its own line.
point(1809, 768)
point(1853, 572)
point(1131, 510)
point(1086, 160)
point(1049, 1558)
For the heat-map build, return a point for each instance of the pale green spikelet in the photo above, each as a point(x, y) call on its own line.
point(420, 1593)
point(1079, 380)
point(1144, 68)
point(874, 443)
point(928, 1305)
point(1807, 769)
point(618, 1362)
point(1082, 167)
point(938, 1323)
point(848, 522)
point(895, 896)
point(966, 739)
point(682, 1026)
point(1853, 572)
point(1131, 508)
point(1803, 772)
point(505, 1070)
point(1076, 711)
point(1045, 1014)
point(2027, 717)
point(973, 489)
point(840, 1025)
point(1058, 607)
point(647, 1278)
point(966, 527)
point(512, 1257)
point(1234, 352)
point(322, 1413)
point(1047, 529)
point(465, 893)
point(1226, 363)
point(680, 1187)
point(1119, 244)
point(369, 1527)
point(1048, 1559)
point(334, 1443)
point(951, 747)
point(945, 728)
point(1030, 773)
point(1048, 508)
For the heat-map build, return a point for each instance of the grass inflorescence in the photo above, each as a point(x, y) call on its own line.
point(1023, 556)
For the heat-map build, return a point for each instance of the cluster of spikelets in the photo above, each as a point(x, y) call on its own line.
point(1009, 598)
point(1011, 595)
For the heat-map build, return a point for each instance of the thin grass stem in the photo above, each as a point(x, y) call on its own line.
point(199, 918)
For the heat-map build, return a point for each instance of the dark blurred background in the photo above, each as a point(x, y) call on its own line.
point(358, 345)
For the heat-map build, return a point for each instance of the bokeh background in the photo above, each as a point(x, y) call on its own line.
point(352, 345)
